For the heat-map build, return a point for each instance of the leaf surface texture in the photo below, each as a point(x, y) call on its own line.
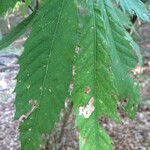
point(94, 94)
point(45, 71)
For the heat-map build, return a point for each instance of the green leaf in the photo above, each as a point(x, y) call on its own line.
point(17, 31)
point(6, 4)
point(135, 6)
point(123, 57)
point(103, 69)
point(121, 17)
point(45, 71)
point(94, 92)
point(136, 49)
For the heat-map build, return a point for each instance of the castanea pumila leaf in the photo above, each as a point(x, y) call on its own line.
point(45, 71)
point(86, 34)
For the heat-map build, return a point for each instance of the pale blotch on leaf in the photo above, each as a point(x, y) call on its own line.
point(71, 87)
point(30, 129)
point(28, 87)
point(67, 102)
point(33, 103)
point(77, 50)
point(92, 27)
point(87, 110)
point(41, 88)
point(84, 140)
point(73, 71)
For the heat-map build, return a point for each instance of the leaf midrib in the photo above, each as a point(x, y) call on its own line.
point(48, 61)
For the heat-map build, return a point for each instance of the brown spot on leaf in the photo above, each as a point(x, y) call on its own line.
point(87, 90)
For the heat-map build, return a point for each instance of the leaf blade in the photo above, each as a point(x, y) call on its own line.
point(94, 92)
point(45, 70)
point(124, 61)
